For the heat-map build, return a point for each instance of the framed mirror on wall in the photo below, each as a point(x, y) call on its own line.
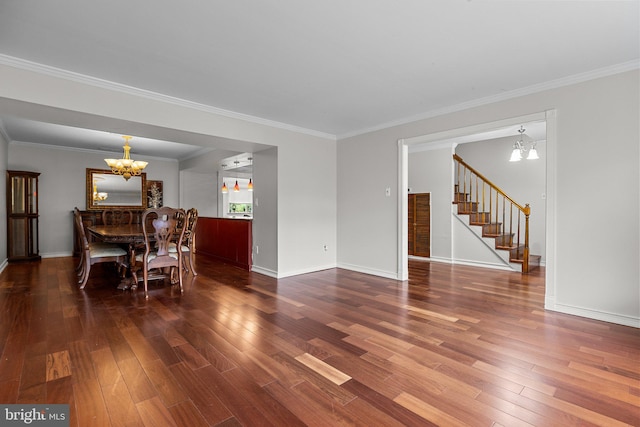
point(106, 190)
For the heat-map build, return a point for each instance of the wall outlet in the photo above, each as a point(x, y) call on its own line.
point(387, 192)
point(257, 249)
point(326, 248)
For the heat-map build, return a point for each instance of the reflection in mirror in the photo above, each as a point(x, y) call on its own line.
point(107, 190)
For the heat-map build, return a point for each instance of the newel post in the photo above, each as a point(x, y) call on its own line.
point(525, 261)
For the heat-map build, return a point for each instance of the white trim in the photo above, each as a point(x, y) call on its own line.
point(436, 138)
point(4, 264)
point(56, 254)
point(402, 272)
point(89, 150)
point(264, 271)
point(553, 84)
point(463, 262)
point(305, 271)
point(105, 84)
point(366, 270)
point(588, 313)
point(551, 237)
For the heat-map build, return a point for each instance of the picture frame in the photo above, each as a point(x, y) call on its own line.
point(154, 194)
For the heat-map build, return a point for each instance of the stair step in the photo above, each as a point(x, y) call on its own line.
point(534, 262)
point(516, 253)
point(504, 241)
point(460, 197)
point(492, 229)
point(480, 218)
point(467, 207)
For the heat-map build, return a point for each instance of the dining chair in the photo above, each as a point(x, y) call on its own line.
point(94, 252)
point(161, 228)
point(117, 217)
point(189, 241)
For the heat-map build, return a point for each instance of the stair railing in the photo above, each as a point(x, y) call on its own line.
point(493, 206)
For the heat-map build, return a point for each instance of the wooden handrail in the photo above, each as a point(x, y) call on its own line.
point(493, 206)
point(525, 209)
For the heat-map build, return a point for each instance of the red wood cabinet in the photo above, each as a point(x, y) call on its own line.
point(227, 239)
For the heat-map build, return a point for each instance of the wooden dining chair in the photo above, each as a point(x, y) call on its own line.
point(117, 217)
point(95, 252)
point(189, 241)
point(161, 228)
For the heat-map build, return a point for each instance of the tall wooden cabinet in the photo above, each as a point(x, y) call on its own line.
point(22, 216)
point(420, 224)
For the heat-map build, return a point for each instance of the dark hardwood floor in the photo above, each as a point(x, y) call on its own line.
point(454, 345)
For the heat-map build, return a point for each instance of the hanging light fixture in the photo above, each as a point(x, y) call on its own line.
point(236, 188)
point(98, 196)
point(250, 185)
point(126, 166)
point(224, 188)
point(520, 148)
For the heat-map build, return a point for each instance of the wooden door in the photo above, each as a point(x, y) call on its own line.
point(420, 224)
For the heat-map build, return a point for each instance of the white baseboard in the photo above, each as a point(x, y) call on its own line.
point(381, 273)
point(4, 265)
point(264, 271)
point(463, 262)
point(56, 254)
point(305, 271)
point(619, 319)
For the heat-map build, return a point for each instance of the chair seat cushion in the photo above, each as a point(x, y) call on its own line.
point(172, 248)
point(101, 250)
point(153, 255)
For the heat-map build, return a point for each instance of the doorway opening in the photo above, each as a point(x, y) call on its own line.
point(447, 140)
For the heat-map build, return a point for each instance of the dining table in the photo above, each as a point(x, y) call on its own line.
point(129, 234)
point(122, 233)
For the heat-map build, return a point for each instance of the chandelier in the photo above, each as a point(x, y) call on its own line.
point(126, 166)
point(520, 149)
point(98, 196)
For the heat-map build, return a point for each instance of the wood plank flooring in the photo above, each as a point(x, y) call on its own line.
point(453, 346)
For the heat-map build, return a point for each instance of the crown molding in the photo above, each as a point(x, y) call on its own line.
point(130, 90)
point(83, 150)
point(105, 84)
point(529, 90)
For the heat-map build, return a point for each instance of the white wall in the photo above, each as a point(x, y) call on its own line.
point(431, 172)
point(61, 187)
point(595, 238)
point(3, 202)
point(266, 212)
point(200, 191)
point(524, 181)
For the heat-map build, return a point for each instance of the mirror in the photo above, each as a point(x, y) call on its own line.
point(107, 190)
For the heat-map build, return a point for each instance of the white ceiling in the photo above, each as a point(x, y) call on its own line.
point(335, 67)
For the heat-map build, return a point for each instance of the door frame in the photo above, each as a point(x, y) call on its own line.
point(443, 140)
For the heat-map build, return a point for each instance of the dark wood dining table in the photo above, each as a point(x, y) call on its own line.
point(127, 233)
point(130, 234)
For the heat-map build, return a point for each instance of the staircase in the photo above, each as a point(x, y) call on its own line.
point(494, 215)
